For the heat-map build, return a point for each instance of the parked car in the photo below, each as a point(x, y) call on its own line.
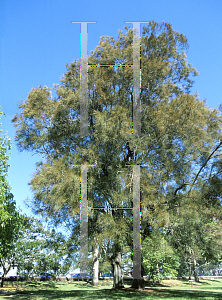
point(81, 275)
point(69, 275)
point(12, 278)
point(45, 275)
point(107, 275)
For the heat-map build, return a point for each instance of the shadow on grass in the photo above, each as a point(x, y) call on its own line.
point(36, 284)
point(85, 291)
point(211, 280)
point(189, 294)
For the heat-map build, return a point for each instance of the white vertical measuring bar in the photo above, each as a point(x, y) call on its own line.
point(83, 219)
point(83, 78)
point(136, 132)
point(83, 133)
point(136, 77)
point(136, 223)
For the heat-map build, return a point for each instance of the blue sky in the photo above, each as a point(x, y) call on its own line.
point(38, 39)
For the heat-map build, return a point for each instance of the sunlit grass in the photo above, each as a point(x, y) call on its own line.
point(168, 289)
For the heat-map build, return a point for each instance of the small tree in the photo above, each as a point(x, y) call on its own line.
point(11, 221)
point(10, 230)
point(159, 258)
point(39, 250)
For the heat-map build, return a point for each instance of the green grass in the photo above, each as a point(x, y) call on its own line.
point(169, 289)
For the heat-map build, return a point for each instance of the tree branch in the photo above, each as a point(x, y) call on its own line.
point(198, 173)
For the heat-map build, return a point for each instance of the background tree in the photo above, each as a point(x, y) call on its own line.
point(39, 250)
point(159, 258)
point(194, 230)
point(11, 221)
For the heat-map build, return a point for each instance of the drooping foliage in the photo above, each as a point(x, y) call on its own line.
point(179, 134)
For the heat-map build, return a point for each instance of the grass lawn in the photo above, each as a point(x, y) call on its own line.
point(169, 289)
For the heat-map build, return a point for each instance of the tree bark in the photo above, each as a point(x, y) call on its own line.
point(189, 271)
point(95, 265)
point(116, 264)
point(194, 266)
point(195, 270)
point(190, 260)
point(2, 280)
point(5, 270)
point(158, 271)
point(139, 284)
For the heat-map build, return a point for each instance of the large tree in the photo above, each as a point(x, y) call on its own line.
point(179, 130)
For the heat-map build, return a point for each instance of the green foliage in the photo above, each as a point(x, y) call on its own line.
point(159, 258)
point(11, 221)
point(39, 250)
point(5, 145)
point(11, 224)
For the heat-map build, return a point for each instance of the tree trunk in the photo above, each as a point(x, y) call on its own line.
point(116, 264)
point(190, 263)
point(5, 272)
point(158, 271)
point(195, 270)
point(95, 266)
point(194, 265)
point(189, 271)
point(139, 284)
point(5, 269)
point(2, 280)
